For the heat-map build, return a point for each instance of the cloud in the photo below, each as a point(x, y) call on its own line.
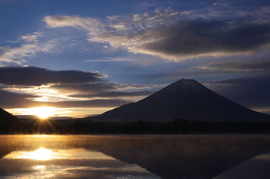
point(115, 94)
point(252, 92)
point(117, 31)
point(9, 96)
point(213, 38)
point(15, 100)
point(101, 99)
point(93, 26)
point(96, 103)
point(85, 88)
point(34, 76)
point(18, 55)
point(10, 99)
point(25, 87)
point(31, 37)
point(231, 10)
point(223, 69)
point(174, 34)
point(103, 90)
point(255, 66)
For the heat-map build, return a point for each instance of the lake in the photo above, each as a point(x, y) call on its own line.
point(126, 157)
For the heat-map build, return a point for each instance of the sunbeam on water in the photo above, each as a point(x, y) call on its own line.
point(40, 154)
point(46, 154)
point(69, 163)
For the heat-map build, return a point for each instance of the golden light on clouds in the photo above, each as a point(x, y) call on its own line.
point(45, 112)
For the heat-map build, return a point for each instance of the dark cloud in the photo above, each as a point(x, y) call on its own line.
point(34, 76)
point(261, 66)
point(11, 100)
point(115, 94)
point(9, 96)
point(16, 100)
point(93, 88)
point(177, 35)
point(74, 84)
point(252, 92)
point(100, 90)
point(211, 38)
point(214, 70)
point(97, 103)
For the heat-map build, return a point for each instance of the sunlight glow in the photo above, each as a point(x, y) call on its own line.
point(43, 112)
point(59, 112)
point(47, 154)
point(40, 154)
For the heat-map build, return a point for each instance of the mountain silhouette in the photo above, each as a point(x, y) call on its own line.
point(186, 99)
point(6, 116)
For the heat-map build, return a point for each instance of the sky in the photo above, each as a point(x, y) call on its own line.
point(81, 58)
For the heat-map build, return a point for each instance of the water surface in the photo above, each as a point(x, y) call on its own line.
point(126, 157)
point(68, 163)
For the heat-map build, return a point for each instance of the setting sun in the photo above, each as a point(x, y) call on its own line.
point(43, 112)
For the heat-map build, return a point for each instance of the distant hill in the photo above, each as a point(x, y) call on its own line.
point(6, 117)
point(186, 99)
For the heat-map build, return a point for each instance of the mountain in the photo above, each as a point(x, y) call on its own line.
point(6, 117)
point(186, 99)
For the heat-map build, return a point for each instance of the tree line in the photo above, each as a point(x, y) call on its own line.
point(177, 126)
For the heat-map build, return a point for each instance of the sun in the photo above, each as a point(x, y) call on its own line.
point(43, 112)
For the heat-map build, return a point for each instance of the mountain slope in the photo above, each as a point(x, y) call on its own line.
point(6, 117)
point(183, 99)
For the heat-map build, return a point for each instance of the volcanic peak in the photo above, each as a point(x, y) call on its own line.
point(183, 85)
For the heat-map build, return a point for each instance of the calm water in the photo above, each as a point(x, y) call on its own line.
point(126, 157)
point(68, 163)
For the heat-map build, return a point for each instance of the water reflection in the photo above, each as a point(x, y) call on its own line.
point(46, 154)
point(68, 163)
point(40, 154)
point(89, 156)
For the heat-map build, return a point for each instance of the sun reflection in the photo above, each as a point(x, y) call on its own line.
point(47, 154)
point(40, 154)
point(39, 167)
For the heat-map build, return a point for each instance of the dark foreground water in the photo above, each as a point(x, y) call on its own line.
point(126, 157)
